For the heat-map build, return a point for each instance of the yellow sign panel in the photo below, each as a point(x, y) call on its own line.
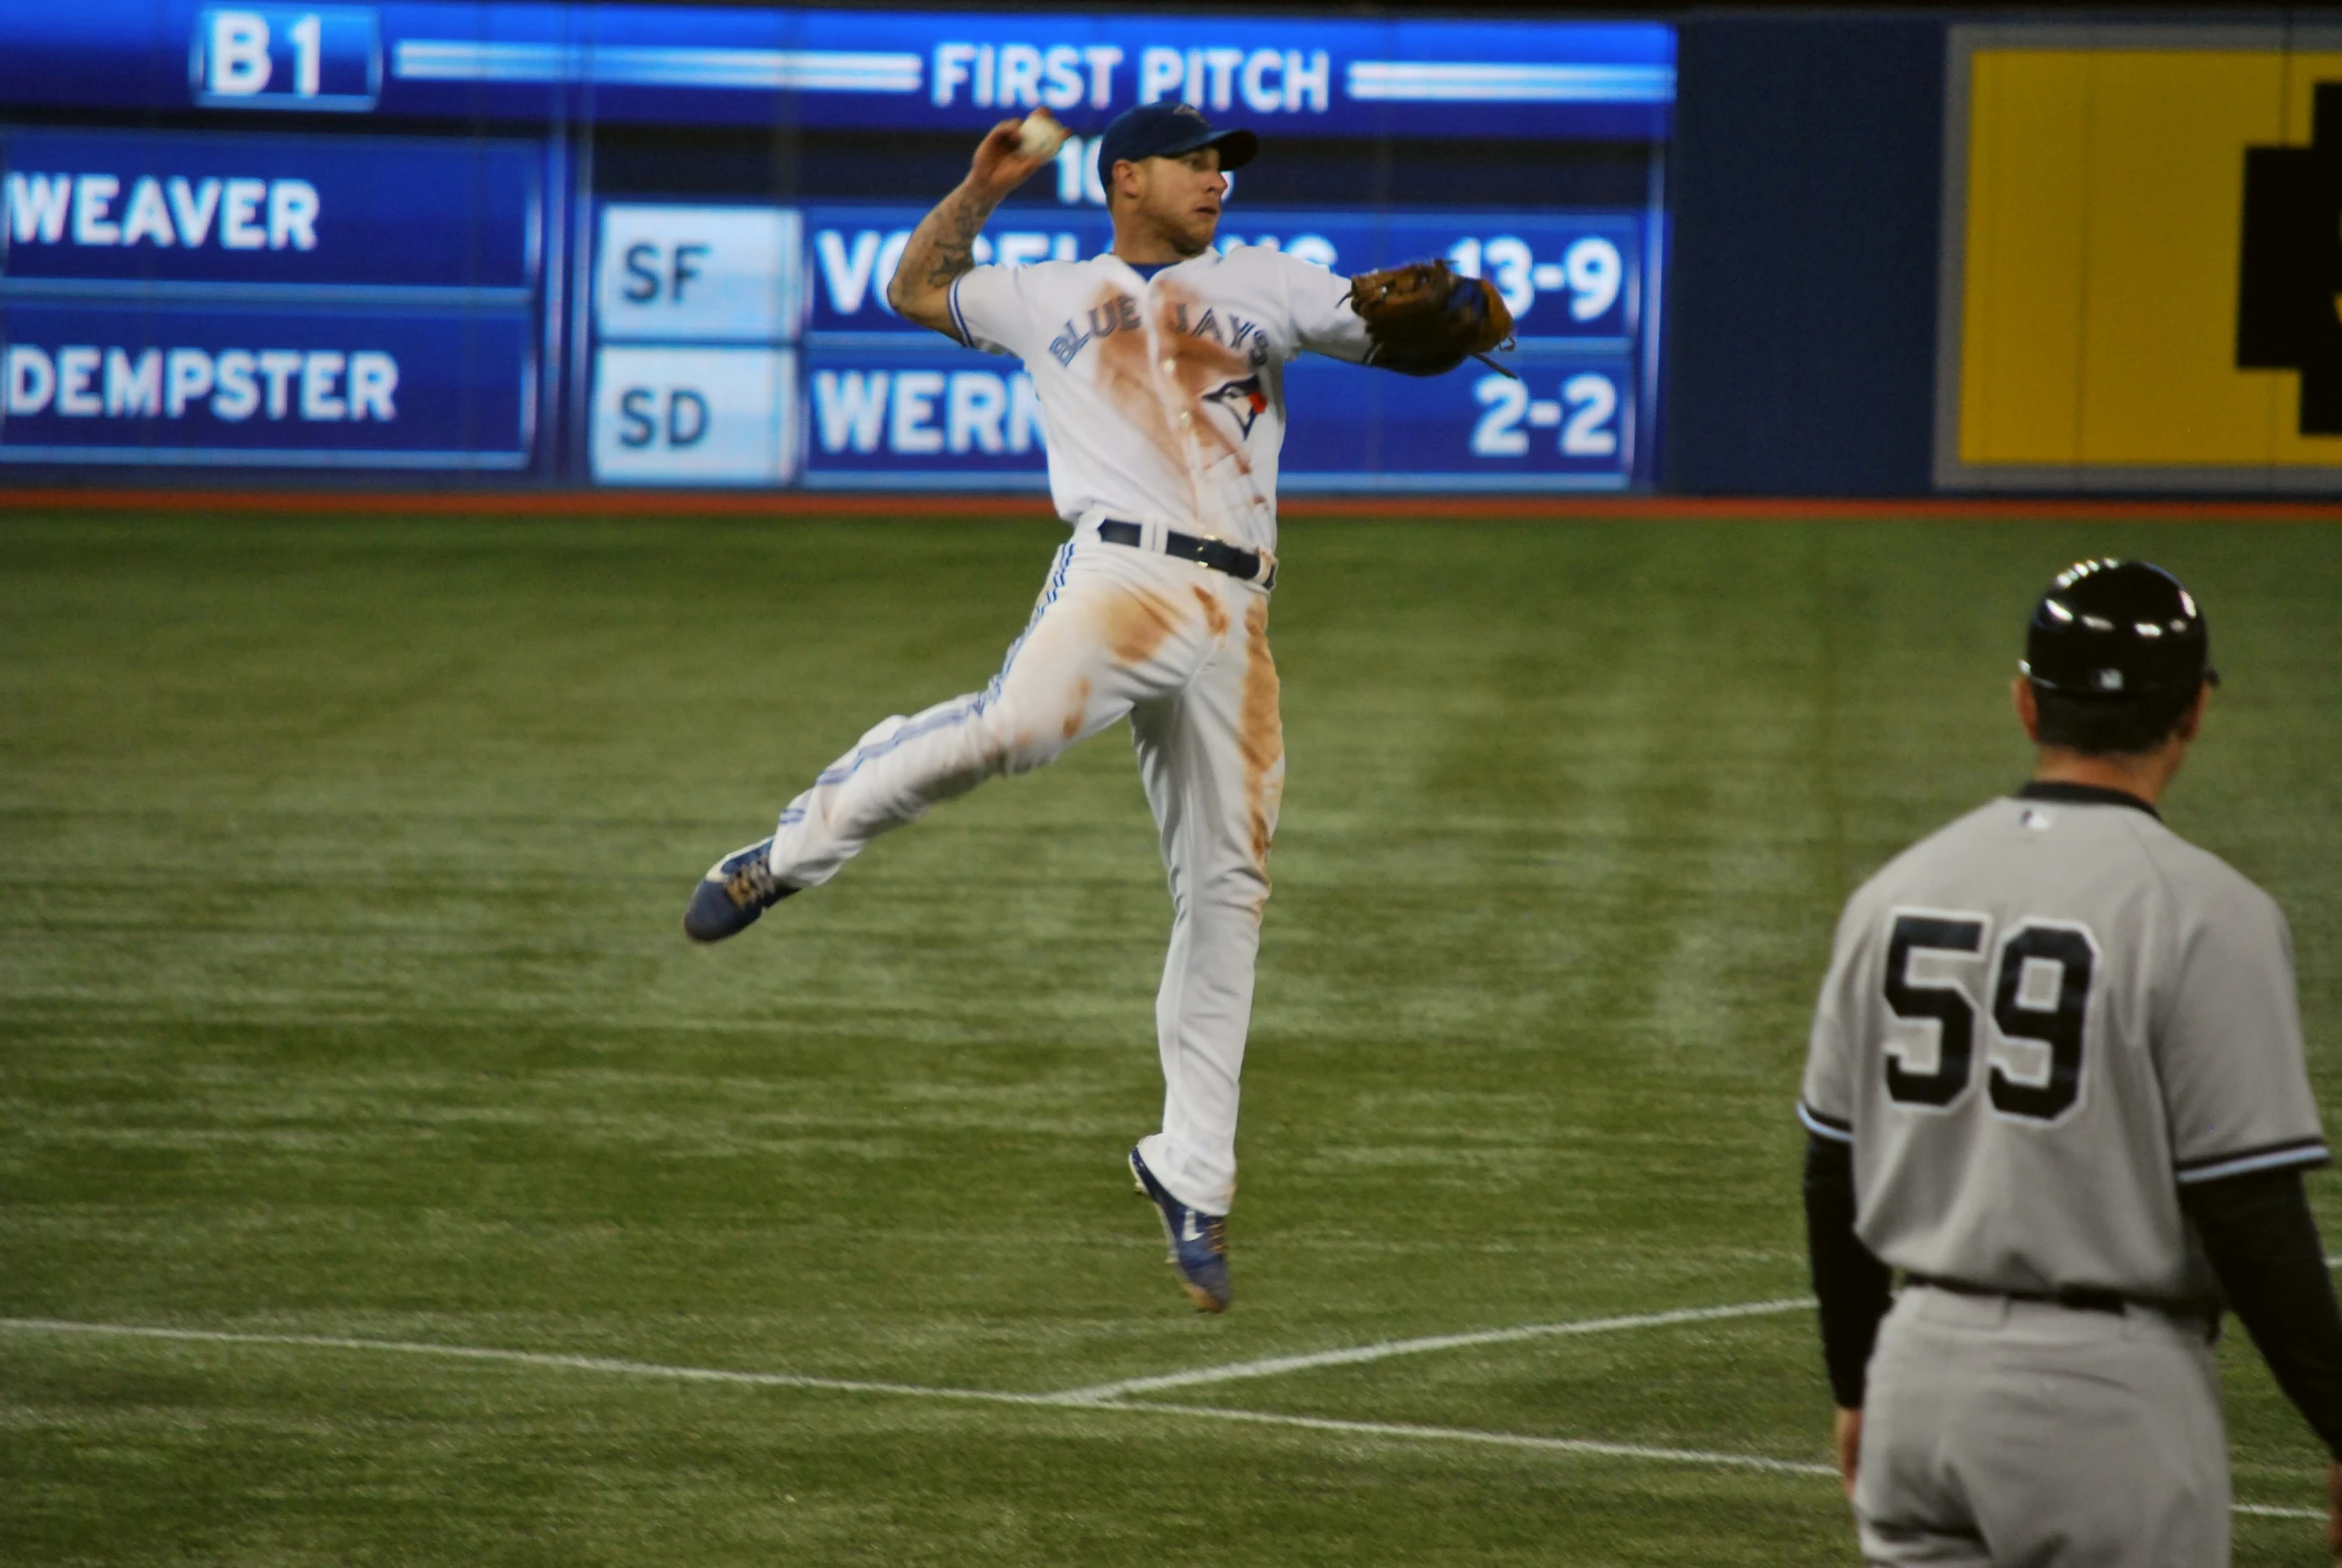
point(2117, 318)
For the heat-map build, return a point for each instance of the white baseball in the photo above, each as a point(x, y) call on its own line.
point(1040, 136)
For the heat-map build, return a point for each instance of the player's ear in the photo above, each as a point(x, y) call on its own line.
point(2029, 711)
point(2193, 719)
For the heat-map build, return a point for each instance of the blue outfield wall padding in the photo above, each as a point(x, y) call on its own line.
point(1805, 181)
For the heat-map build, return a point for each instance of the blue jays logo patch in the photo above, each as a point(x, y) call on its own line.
point(1244, 402)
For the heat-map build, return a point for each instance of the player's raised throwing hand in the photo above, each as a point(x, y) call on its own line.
point(1014, 150)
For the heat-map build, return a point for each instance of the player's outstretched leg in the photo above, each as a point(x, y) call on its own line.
point(1212, 760)
point(1059, 683)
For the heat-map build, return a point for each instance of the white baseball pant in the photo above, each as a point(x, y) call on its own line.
point(1184, 652)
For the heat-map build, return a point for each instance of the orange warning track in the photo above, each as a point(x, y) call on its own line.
point(1624, 509)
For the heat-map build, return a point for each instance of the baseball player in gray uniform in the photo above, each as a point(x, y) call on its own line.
point(1160, 372)
point(2057, 1081)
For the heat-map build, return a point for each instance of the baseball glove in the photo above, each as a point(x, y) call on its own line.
point(1424, 320)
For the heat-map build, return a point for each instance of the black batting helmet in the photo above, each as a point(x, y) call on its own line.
point(2117, 629)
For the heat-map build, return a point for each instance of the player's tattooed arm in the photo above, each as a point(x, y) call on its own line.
point(943, 246)
point(940, 249)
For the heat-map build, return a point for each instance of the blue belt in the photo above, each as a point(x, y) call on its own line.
point(1218, 554)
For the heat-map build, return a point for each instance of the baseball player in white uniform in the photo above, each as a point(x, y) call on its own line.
point(2057, 1081)
point(1160, 372)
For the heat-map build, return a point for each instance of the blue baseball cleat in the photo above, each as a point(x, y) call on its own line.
point(730, 896)
point(1199, 1242)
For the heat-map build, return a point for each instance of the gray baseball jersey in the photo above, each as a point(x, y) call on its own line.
point(2040, 1021)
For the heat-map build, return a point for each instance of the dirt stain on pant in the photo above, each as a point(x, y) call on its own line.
point(1215, 617)
point(1261, 733)
point(1077, 708)
point(1134, 624)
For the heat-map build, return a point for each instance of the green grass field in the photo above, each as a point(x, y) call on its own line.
point(341, 999)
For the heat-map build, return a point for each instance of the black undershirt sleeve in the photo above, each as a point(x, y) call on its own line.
point(1851, 1283)
point(2263, 1246)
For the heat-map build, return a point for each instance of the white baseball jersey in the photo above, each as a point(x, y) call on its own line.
point(1163, 396)
point(2038, 1024)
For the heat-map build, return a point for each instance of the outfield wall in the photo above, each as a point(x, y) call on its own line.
point(1804, 180)
point(1958, 254)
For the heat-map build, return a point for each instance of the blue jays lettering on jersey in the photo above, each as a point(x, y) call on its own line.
point(1121, 314)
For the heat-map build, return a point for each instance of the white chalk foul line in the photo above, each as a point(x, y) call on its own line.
point(578, 1363)
point(1077, 1399)
point(1466, 1434)
point(1276, 1365)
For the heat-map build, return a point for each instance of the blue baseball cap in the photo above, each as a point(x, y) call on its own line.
point(1166, 130)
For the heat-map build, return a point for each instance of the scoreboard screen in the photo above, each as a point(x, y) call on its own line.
point(650, 246)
